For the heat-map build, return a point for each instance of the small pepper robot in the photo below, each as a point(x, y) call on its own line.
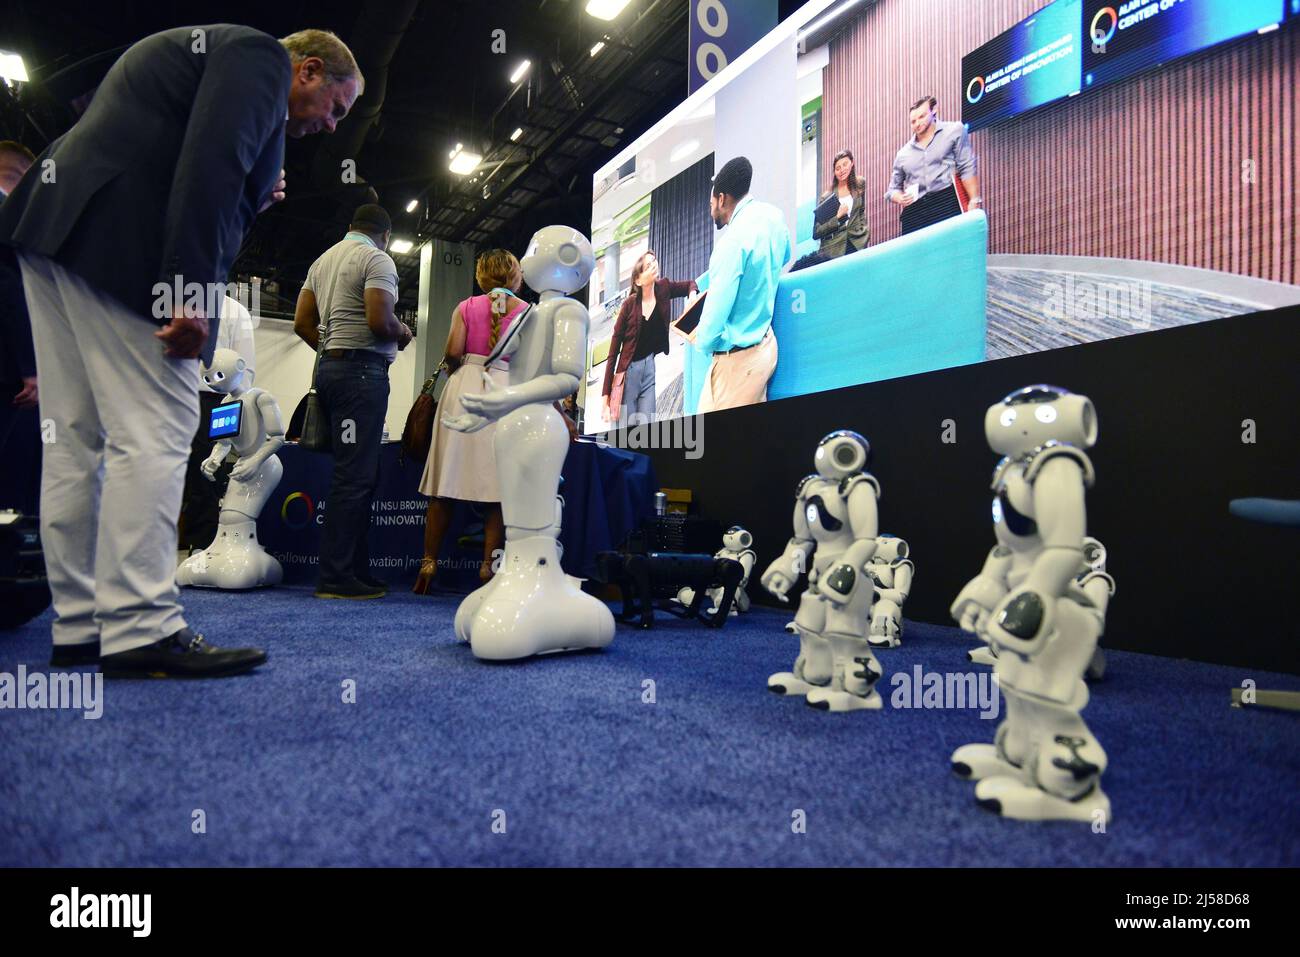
point(235, 559)
point(736, 546)
point(1045, 763)
point(835, 532)
point(891, 571)
point(531, 607)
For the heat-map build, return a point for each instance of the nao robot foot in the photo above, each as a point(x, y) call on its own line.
point(249, 424)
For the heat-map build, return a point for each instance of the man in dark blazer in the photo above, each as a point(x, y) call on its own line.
point(19, 431)
point(126, 231)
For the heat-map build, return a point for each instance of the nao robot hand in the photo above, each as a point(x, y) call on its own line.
point(784, 571)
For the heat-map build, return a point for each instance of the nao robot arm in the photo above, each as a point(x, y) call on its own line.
point(568, 356)
point(840, 580)
point(794, 561)
point(269, 412)
point(983, 592)
point(902, 585)
point(1026, 617)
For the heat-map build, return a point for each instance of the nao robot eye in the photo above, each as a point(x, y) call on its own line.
point(1007, 417)
point(1045, 414)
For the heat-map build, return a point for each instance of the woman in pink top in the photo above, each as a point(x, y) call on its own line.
point(462, 466)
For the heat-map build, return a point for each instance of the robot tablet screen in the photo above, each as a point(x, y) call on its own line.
point(224, 421)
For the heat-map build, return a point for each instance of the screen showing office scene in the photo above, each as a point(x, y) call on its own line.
point(886, 188)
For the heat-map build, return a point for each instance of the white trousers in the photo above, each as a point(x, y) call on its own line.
point(117, 419)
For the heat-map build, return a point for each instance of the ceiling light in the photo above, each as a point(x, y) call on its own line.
point(605, 9)
point(12, 68)
point(463, 161)
point(683, 150)
point(411, 206)
point(520, 70)
point(519, 131)
point(598, 47)
point(829, 18)
point(401, 246)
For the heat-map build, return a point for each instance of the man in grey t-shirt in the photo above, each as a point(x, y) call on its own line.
point(351, 292)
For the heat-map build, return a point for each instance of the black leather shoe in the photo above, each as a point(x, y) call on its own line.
point(70, 656)
point(373, 582)
point(185, 654)
point(352, 588)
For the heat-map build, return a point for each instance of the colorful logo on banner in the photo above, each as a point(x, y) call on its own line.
point(973, 96)
point(297, 516)
point(721, 30)
point(1099, 37)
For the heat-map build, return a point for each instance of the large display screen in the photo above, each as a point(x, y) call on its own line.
point(1092, 221)
point(1037, 61)
point(1125, 38)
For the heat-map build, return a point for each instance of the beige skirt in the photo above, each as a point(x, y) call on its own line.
point(462, 465)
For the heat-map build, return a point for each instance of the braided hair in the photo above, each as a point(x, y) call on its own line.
point(495, 269)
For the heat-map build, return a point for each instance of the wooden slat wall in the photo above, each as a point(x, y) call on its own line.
point(1150, 168)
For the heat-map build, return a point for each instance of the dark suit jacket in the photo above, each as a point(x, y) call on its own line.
point(164, 172)
point(17, 360)
point(837, 236)
point(628, 326)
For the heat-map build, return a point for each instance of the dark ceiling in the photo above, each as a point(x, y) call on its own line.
point(433, 80)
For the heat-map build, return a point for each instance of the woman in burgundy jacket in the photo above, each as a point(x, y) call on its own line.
point(640, 333)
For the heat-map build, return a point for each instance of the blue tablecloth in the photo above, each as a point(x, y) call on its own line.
point(607, 492)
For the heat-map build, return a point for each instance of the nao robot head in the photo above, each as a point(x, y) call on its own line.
point(1030, 417)
point(737, 539)
point(842, 454)
point(226, 373)
point(559, 258)
point(890, 549)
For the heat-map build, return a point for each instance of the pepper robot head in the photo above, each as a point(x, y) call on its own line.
point(1035, 415)
point(559, 259)
point(737, 539)
point(226, 372)
point(889, 549)
point(842, 454)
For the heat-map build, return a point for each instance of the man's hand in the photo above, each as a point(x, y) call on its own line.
point(404, 336)
point(277, 194)
point(604, 407)
point(844, 209)
point(184, 336)
point(902, 199)
point(27, 396)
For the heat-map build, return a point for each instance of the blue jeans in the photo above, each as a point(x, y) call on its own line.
point(354, 397)
point(639, 392)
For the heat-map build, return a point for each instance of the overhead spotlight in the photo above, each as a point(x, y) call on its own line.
point(520, 70)
point(598, 47)
point(605, 9)
point(463, 161)
point(412, 205)
point(401, 246)
point(12, 68)
point(514, 137)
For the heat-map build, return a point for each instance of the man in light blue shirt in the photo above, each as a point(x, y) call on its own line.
point(736, 325)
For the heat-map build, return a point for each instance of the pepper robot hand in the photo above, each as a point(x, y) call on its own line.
point(835, 527)
point(1044, 763)
point(531, 607)
point(236, 559)
point(736, 545)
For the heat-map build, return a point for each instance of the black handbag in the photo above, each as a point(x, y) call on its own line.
point(315, 423)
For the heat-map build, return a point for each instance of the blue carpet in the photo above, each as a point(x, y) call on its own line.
point(585, 772)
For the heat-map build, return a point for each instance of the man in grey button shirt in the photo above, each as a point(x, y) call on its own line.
point(352, 289)
point(923, 177)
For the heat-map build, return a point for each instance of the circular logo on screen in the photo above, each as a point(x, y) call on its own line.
point(1094, 31)
point(297, 511)
point(973, 96)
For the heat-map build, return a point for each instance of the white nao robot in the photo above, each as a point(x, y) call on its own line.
point(891, 571)
point(236, 559)
point(1044, 764)
point(835, 525)
point(736, 542)
point(531, 607)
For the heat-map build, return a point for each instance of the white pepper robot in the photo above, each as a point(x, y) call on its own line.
point(1044, 764)
point(1095, 583)
point(236, 559)
point(835, 527)
point(531, 607)
point(891, 571)
point(736, 542)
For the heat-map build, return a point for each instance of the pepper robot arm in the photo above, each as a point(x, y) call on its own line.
point(269, 410)
point(983, 592)
point(212, 463)
point(1025, 618)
